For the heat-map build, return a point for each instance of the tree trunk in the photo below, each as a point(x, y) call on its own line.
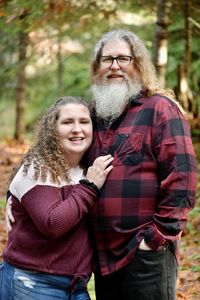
point(20, 90)
point(183, 86)
point(161, 39)
point(60, 68)
point(185, 94)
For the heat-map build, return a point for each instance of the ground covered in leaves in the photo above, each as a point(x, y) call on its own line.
point(188, 286)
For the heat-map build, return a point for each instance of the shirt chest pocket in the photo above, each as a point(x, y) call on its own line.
point(127, 149)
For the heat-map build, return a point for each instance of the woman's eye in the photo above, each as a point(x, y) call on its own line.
point(67, 122)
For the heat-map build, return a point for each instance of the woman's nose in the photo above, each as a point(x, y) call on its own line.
point(76, 127)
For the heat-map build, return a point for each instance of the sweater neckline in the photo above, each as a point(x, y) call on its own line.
point(76, 174)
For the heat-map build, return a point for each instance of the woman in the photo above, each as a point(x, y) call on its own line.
point(49, 254)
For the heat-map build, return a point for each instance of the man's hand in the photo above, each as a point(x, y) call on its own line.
point(9, 216)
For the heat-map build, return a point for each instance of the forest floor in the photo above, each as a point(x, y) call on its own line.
point(188, 285)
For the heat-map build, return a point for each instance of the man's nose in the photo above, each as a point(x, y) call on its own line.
point(115, 65)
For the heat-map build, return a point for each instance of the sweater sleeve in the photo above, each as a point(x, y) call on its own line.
point(177, 173)
point(55, 210)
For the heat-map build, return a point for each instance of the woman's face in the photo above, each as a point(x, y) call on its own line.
point(74, 131)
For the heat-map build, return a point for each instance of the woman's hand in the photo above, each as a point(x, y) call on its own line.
point(98, 172)
point(9, 216)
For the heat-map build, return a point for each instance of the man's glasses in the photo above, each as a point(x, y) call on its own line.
point(122, 60)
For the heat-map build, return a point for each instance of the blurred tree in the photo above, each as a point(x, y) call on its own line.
point(61, 35)
point(57, 21)
point(161, 39)
point(184, 90)
point(21, 80)
point(184, 54)
point(15, 22)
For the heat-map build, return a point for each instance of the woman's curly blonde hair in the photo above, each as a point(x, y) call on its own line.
point(46, 154)
point(141, 60)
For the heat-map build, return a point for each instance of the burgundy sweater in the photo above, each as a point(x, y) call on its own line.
point(51, 230)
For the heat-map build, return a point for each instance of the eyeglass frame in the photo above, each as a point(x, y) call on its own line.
point(116, 58)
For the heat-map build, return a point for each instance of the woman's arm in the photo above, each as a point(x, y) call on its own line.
point(55, 210)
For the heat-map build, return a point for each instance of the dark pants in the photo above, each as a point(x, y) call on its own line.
point(151, 275)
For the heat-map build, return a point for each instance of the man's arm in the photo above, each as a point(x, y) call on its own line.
point(177, 173)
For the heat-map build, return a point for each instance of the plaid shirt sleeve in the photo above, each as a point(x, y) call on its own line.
point(177, 170)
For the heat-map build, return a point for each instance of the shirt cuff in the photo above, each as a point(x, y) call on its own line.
point(154, 239)
point(91, 185)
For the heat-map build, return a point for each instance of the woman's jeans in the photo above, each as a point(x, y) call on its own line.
point(20, 284)
point(151, 275)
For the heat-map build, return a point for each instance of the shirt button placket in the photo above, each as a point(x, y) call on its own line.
point(107, 142)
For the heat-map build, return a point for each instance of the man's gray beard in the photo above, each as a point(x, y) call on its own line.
point(111, 99)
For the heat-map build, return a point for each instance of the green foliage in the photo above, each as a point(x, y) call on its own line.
point(76, 76)
point(197, 152)
point(2, 208)
point(50, 23)
point(195, 213)
point(176, 48)
point(2, 203)
point(196, 269)
point(43, 90)
point(7, 119)
point(91, 288)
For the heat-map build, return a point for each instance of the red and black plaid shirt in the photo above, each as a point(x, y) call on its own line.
point(152, 186)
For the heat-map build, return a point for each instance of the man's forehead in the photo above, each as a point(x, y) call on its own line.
point(116, 47)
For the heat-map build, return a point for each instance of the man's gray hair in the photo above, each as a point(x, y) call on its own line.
point(141, 57)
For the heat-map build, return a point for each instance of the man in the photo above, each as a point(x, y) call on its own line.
point(145, 201)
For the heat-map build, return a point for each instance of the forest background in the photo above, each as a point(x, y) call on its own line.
point(45, 52)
